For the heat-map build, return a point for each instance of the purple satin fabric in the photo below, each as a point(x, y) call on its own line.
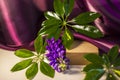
point(110, 10)
point(109, 23)
point(20, 21)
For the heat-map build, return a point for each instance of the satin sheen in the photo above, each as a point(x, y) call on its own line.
point(20, 21)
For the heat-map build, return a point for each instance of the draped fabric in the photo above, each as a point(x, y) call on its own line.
point(110, 10)
point(20, 21)
point(109, 23)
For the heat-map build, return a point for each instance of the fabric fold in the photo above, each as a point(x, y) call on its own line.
point(20, 21)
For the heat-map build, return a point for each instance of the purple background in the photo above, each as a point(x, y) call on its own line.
point(20, 21)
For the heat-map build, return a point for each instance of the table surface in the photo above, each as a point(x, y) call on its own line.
point(8, 59)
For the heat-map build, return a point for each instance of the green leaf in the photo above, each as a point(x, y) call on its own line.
point(117, 72)
point(23, 53)
point(113, 53)
point(88, 30)
point(111, 77)
point(94, 58)
point(38, 44)
point(92, 66)
point(22, 65)
point(106, 60)
point(68, 6)
point(86, 17)
point(32, 71)
point(51, 22)
point(51, 29)
point(47, 69)
point(49, 26)
point(59, 7)
point(52, 32)
point(43, 48)
point(46, 30)
point(51, 15)
point(117, 62)
point(67, 38)
point(94, 74)
point(56, 34)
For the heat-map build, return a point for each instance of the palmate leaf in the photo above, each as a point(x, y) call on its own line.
point(51, 22)
point(113, 53)
point(47, 69)
point(67, 38)
point(38, 44)
point(88, 30)
point(117, 62)
point(59, 7)
point(111, 77)
point(49, 25)
point(21, 65)
point(92, 66)
point(86, 17)
point(55, 33)
point(32, 71)
point(94, 58)
point(94, 74)
point(117, 72)
point(106, 60)
point(68, 6)
point(52, 32)
point(23, 53)
point(51, 28)
point(46, 30)
point(51, 15)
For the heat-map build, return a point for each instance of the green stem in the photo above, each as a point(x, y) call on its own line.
point(66, 18)
point(70, 21)
point(69, 25)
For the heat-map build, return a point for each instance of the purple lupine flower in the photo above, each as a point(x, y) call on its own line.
point(57, 55)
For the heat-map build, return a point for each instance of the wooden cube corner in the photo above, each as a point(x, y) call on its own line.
point(78, 50)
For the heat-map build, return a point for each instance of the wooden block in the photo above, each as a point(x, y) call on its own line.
point(78, 50)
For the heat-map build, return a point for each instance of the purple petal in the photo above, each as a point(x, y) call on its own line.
point(50, 58)
point(58, 50)
point(55, 66)
point(53, 40)
point(48, 55)
point(59, 70)
point(52, 62)
point(62, 52)
point(48, 48)
point(58, 41)
point(55, 56)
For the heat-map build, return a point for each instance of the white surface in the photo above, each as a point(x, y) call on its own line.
point(7, 60)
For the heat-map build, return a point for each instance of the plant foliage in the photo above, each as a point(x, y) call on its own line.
point(107, 64)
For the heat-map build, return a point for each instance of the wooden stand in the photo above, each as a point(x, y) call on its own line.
point(78, 50)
